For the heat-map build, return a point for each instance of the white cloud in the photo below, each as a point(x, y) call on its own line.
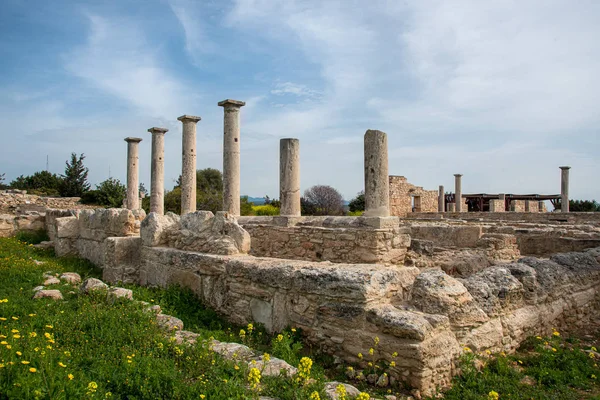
point(283, 88)
point(118, 60)
point(193, 16)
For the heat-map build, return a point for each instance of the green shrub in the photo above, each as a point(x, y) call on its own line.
point(32, 237)
point(265, 210)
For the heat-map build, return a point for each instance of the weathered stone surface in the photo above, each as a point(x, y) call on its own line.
point(330, 390)
point(186, 337)
point(51, 281)
point(155, 227)
point(273, 367)
point(405, 324)
point(232, 351)
point(92, 284)
point(169, 322)
point(48, 294)
point(435, 292)
point(118, 293)
point(45, 245)
point(71, 277)
point(495, 290)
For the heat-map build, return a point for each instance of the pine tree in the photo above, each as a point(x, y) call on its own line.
point(75, 177)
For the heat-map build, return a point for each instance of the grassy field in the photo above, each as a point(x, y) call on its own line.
point(89, 347)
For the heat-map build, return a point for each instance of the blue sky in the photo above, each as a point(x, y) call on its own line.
point(503, 92)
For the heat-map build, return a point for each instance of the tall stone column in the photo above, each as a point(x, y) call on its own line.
point(133, 182)
point(377, 181)
point(157, 171)
point(564, 189)
point(458, 192)
point(231, 155)
point(188, 163)
point(441, 200)
point(289, 177)
point(540, 206)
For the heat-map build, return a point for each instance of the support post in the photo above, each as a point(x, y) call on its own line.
point(377, 181)
point(289, 177)
point(133, 200)
point(157, 171)
point(458, 192)
point(564, 189)
point(188, 163)
point(231, 155)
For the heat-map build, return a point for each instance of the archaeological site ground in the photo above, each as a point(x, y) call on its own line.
point(423, 278)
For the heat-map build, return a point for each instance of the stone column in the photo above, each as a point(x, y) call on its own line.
point(441, 200)
point(458, 192)
point(133, 182)
point(564, 189)
point(231, 155)
point(157, 171)
point(527, 206)
point(540, 206)
point(188, 163)
point(377, 181)
point(451, 207)
point(289, 177)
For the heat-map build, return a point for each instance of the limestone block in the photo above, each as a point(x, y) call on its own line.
point(92, 284)
point(232, 351)
point(51, 281)
point(117, 293)
point(495, 290)
point(186, 337)
point(48, 294)
point(273, 367)
point(169, 322)
point(405, 324)
point(435, 292)
point(155, 228)
point(71, 277)
point(67, 227)
point(331, 393)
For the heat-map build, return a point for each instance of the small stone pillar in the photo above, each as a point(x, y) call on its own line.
point(377, 183)
point(527, 208)
point(451, 207)
point(289, 177)
point(157, 171)
point(540, 206)
point(188, 163)
point(458, 192)
point(231, 155)
point(564, 189)
point(132, 201)
point(441, 199)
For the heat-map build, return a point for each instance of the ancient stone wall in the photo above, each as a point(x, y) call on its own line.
point(427, 316)
point(401, 197)
point(10, 224)
point(592, 218)
point(11, 201)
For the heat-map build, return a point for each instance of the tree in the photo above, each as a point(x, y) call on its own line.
point(75, 178)
point(357, 203)
point(111, 193)
point(41, 182)
point(246, 206)
point(2, 185)
point(325, 200)
point(584, 206)
point(209, 192)
point(142, 189)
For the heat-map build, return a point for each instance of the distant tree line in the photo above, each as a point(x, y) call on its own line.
point(580, 206)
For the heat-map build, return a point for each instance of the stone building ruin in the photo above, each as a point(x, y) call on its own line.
point(427, 282)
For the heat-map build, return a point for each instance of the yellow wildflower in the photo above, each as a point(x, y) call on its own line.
point(242, 333)
point(2, 319)
point(15, 318)
point(493, 395)
point(556, 333)
point(32, 370)
point(371, 351)
point(340, 390)
point(279, 337)
point(17, 336)
point(49, 326)
point(254, 378)
point(266, 357)
point(304, 368)
point(363, 396)
point(62, 365)
point(70, 376)
point(393, 364)
point(24, 362)
point(32, 334)
point(376, 340)
point(315, 396)
point(360, 355)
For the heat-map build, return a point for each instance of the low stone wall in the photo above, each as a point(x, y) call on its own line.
point(11, 201)
point(10, 224)
point(553, 217)
point(85, 233)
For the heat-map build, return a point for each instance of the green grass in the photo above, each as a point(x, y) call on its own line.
point(88, 347)
point(542, 368)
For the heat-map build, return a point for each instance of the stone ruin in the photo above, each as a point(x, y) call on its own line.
point(427, 285)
